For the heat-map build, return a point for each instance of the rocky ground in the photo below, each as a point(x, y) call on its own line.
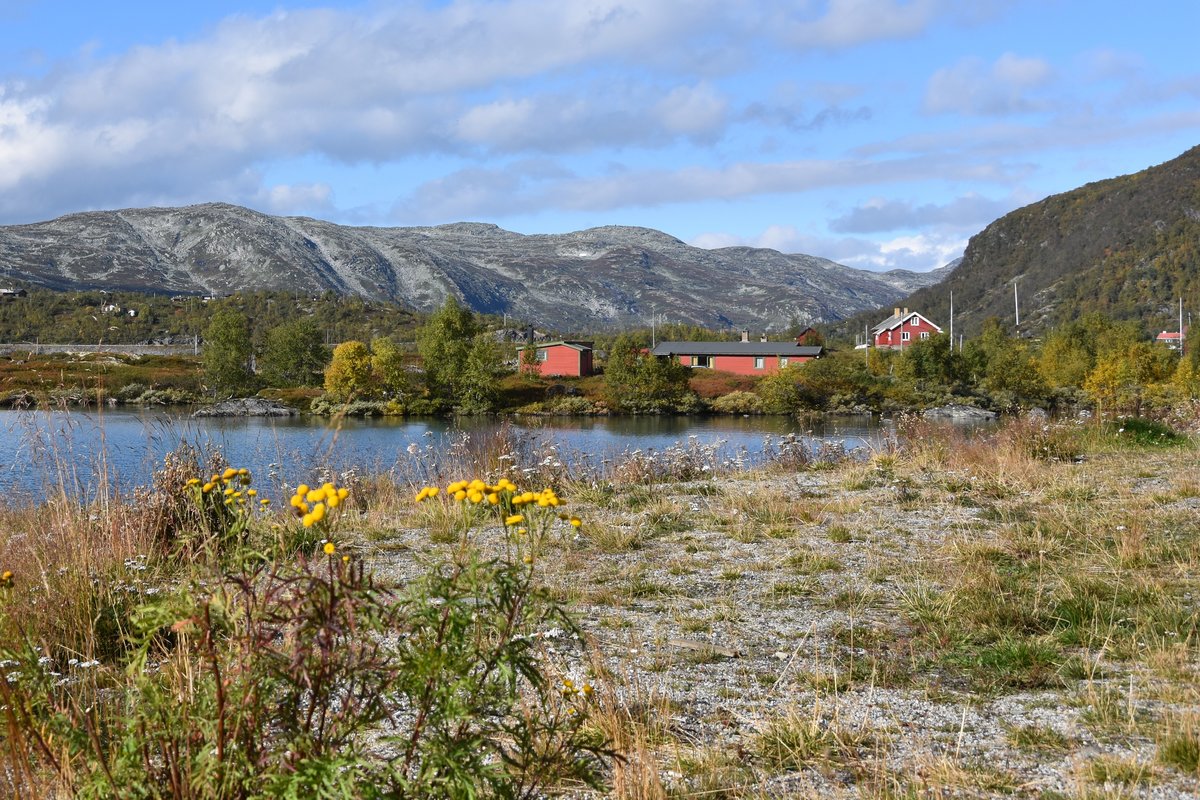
point(896, 628)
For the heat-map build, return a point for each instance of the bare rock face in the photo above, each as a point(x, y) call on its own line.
point(246, 407)
point(956, 412)
point(602, 277)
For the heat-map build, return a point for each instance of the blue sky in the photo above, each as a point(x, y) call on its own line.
point(878, 133)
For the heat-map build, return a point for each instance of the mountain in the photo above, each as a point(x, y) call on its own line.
point(595, 278)
point(1128, 247)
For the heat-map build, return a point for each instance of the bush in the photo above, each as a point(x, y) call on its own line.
point(1145, 432)
point(738, 403)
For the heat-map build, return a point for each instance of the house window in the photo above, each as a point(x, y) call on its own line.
point(759, 362)
point(783, 362)
point(703, 361)
point(914, 322)
point(904, 337)
point(542, 355)
point(924, 334)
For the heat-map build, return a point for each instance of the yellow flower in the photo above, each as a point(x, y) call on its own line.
point(315, 496)
point(264, 502)
point(576, 522)
point(208, 487)
point(6, 579)
point(329, 548)
point(252, 492)
point(460, 495)
point(514, 519)
point(493, 499)
point(521, 531)
point(421, 495)
point(228, 473)
point(302, 490)
point(475, 496)
point(318, 512)
point(528, 559)
point(307, 520)
point(333, 501)
point(344, 493)
point(193, 482)
point(345, 559)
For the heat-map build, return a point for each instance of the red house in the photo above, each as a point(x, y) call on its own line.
point(559, 358)
point(740, 358)
point(901, 329)
point(1172, 339)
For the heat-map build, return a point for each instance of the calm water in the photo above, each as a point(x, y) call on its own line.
point(42, 450)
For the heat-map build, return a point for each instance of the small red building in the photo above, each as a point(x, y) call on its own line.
point(901, 329)
point(1172, 339)
point(740, 358)
point(559, 358)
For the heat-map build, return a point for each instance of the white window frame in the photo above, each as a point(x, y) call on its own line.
point(905, 336)
point(924, 334)
point(542, 354)
point(760, 362)
point(783, 361)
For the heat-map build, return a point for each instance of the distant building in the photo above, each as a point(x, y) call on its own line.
point(1172, 339)
point(561, 358)
point(901, 329)
point(741, 358)
point(12, 294)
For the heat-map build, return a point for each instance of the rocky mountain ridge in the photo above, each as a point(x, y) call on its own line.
point(600, 277)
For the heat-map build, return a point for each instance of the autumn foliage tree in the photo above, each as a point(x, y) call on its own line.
point(348, 376)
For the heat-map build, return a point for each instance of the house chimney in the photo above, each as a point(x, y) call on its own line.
point(896, 312)
point(529, 334)
point(745, 334)
point(906, 311)
point(762, 338)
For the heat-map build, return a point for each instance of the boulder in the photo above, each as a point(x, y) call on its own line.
point(246, 407)
point(956, 412)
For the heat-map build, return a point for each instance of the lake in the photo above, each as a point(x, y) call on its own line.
point(43, 450)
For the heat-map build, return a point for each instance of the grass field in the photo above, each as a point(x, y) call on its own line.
point(1005, 614)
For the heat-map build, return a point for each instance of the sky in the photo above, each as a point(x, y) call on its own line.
point(877, 133)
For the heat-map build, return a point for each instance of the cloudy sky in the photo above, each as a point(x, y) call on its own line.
point(879, 133)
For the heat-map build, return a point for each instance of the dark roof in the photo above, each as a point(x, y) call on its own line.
point(735, 349)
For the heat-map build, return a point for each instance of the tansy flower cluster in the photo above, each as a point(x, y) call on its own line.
point(230, 487)
point(313, 505)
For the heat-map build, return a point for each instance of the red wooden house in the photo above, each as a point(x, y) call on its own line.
point(740, 358)
point(559, 358)
point(901, 329)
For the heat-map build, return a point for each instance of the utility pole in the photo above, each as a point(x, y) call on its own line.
point(1181, 326)
point(952, 319)
point(1016, 305)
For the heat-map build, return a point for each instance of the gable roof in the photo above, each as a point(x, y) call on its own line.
point(896, 320)
point(580, 346)
point(736, 349)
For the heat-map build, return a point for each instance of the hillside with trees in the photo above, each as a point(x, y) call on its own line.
point(1127, 247)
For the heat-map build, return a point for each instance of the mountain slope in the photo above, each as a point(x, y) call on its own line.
point(594, 278)
point(1128, 247)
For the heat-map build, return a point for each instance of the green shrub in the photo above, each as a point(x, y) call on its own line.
point(279, 681)
point(738, 403)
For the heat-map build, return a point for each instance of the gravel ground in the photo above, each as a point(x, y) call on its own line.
point(751, 599)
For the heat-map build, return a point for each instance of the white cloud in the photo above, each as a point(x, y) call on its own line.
point(919, 253)
point(296, 198)
point(968, 212)
point(1007, 86)
point(847, 23)
point(513, 189)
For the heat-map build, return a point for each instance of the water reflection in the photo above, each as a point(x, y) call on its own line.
point(43, 452)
